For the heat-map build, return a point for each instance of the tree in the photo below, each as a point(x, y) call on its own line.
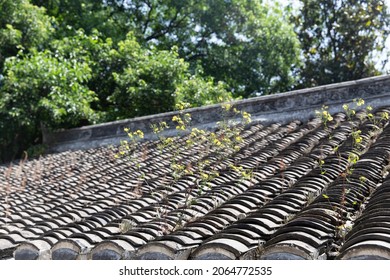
point(154, 81)
point(100, 54)
point(339, 37)
point(244, 43)
point(41, 89)
point(83, 79)
point(88, 15)
point(22, 26)
point(198, 91)
point(147, 82)
point(247, 45)
point(132, 80)
point(67, 63)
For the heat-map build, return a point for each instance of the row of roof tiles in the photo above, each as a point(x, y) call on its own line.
point(298, 204)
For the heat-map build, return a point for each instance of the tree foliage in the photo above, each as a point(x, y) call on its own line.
point(338, 38)
point(41, 89)
point(243, 43)
point(84, 79)
point(87, 15)
point(22, 26)
point(198, 91)
point(147, 82)
point(73, 62)
point(246, 45)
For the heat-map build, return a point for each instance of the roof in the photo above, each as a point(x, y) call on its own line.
point(316, 190)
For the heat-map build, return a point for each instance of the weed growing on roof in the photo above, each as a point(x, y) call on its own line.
point(129, 148)
point(245, 174)
point(383, 116)
point(350, 111)
point(320, 164)
point(201, 153)
point(126, 225)
point(325, 116)
point(357, 149)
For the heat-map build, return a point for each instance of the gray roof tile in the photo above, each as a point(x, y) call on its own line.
point(86, 205)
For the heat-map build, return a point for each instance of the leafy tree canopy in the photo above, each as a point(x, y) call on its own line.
point(85, 79)
point(64, 63)
point(41, 89)
point(243, 43)
point(338, 38)
point(22, 26)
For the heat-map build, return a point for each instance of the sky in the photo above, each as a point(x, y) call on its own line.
point(380, 56)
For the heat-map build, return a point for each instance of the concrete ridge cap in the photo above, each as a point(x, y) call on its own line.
point(147, 135)
point(261, 117)
point(256, 117)
point(330, 104)
point(281, 107)
point(346, 84)
point(142, 118)
point(248, 101)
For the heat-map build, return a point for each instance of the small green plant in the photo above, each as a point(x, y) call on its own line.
point(383, 116)
point(159, 128)
point(126, 225)
point(183, 119)
point(350, 110)
point(246, 174)
point(353, 155)
point(126, 146)
point(129, 148)
point(192, 158)
point(325, 116)
point(321, 163)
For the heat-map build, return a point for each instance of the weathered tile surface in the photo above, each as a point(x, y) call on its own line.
point(301, 201)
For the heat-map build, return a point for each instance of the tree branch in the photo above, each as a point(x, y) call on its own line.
point(174, 23)
point(148, 17)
